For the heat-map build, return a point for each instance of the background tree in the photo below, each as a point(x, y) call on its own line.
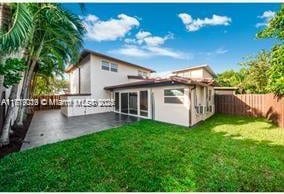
point(275, 29)
point(232, 78)
point(44, 85)
point(256, 73)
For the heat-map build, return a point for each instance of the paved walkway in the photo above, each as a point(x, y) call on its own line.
point(51, 126)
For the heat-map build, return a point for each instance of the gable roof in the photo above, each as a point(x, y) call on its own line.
point(207, 67)
point(87, 52)
point(174, 80)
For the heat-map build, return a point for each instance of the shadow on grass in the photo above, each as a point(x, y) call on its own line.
point(152, 156)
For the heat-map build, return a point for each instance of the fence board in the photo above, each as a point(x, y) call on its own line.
point(257, 105)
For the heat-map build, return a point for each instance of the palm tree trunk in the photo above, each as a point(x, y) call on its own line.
point(24, 94)
point(5, 18)
point(26, 85)
point(4, 139)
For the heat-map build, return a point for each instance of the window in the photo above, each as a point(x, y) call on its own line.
point(174, 96)
point(113, 67)
point(142, 73)
point(105, 65)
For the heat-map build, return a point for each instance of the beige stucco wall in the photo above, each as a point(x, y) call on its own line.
point(74, 81)
point(171, 113)
point(102, 78)
point(195, 73)
point(200, 93)
point(225, 92)
point(94, 80)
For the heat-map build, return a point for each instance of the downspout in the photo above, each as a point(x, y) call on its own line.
point(79, 80)
point(190, 110)
point(152, 105)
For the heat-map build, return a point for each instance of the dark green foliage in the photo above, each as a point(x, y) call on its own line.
point(225, 153)
point(12, 69)
point(275, 29)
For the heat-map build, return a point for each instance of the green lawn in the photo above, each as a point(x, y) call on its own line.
point(225, 153)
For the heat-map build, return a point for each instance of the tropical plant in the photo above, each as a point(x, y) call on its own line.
point(275, 29)
point(43, 85)
point(54, 39)
point(49, 44)
point(256, 76)
point(15, 22)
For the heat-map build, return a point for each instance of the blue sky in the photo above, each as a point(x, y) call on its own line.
point(165, 37)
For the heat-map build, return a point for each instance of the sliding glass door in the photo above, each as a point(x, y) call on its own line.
point(133, 108)
point(116, 101)
point(144, 103)
point(133, 103)
point(124, 103)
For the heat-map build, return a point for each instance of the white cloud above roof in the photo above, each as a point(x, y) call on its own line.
point(109, 30)
point(147, 45)
point(193, 25)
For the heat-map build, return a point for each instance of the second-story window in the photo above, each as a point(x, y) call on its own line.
point(105, 65)
point(113, 67)
point(142, 73)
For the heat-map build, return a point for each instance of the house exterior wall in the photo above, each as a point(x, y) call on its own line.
point(195, 73)
point(168, 112)
point(74, 81)
point(225, 92)
point(93, 81)
point(83, 72)
point(199, 98)
point(102, 78)
point(165, 112)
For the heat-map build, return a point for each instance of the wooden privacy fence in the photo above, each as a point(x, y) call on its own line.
point(258, 105)
point(47, 102)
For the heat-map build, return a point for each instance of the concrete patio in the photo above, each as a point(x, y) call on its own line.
point(51, 126)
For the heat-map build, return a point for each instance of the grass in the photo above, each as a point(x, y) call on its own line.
point(225, 153)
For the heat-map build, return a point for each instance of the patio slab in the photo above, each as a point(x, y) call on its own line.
point(52, 126)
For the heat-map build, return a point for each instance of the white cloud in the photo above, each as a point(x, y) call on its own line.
point(218, 51)
point(150, 40)
point(146, 45)
point(145, 51)
point(221, 51)
point(142, 34)
point(111, 29)
point(166, 52)
point(266, 17)
point(133, 51)
point(193, 25)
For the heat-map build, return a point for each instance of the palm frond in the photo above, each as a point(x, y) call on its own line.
point(18, 34)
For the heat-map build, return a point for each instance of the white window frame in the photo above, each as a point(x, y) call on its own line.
point(113, 66)
point(105, 64)
point(180, 97)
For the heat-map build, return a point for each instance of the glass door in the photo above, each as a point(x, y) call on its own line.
point(116, 101)
point(133, 108)
point(124, 103)
point(144, 103)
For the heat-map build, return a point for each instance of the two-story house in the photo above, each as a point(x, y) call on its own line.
point(185, 98)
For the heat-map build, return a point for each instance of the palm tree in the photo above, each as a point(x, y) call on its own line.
point(56, 40)
point(15, 22)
